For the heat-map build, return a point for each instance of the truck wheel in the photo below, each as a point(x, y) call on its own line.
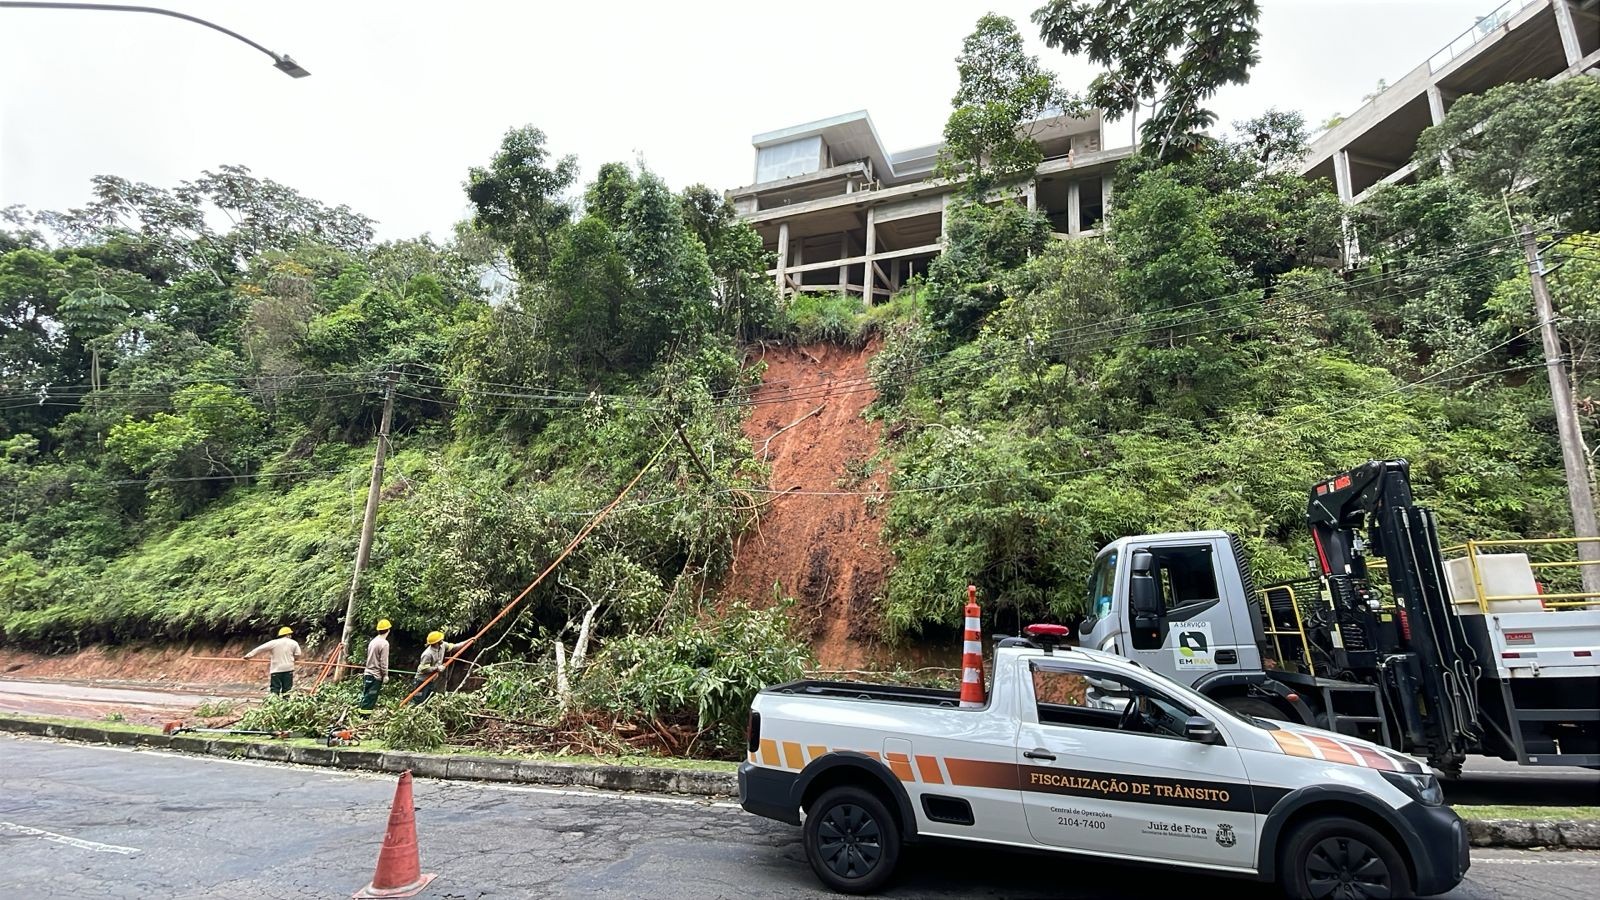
point(1335, 858)
point(1261, 709)
point(851, 840)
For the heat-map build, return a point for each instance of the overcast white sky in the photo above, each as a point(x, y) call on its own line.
point(405, 95)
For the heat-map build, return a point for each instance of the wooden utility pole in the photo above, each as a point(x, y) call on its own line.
point(370, 518)
point(1579, 493)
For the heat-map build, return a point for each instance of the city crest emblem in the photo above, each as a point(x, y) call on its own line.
point(1225, 835)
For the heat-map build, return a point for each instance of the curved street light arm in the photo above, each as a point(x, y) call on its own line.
point(281, 60)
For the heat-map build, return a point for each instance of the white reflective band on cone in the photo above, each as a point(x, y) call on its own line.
point(973, 624)
point(972, 647)
point(970, 676)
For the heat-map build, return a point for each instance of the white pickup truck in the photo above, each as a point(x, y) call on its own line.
point(1084, 752)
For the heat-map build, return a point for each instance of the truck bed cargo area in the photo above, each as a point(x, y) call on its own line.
point(877, 693)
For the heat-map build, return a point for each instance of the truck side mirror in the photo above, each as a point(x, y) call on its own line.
point(1201, 730)
point(1144, 598)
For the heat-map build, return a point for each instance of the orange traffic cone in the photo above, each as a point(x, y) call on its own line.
point(399, 871)
point(972, 696)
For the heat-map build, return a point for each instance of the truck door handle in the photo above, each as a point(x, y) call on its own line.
point(1227, 656)
point(1039, 753)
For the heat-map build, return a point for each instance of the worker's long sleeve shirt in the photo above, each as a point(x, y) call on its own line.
point(378, 658)
point(433, 657)
point(282, 652)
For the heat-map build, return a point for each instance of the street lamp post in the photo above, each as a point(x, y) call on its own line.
point(280, 61)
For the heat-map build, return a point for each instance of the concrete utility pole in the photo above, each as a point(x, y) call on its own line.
point(1579, 493)
point(370, 518)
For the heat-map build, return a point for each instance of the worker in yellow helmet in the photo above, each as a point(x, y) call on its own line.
point(282, 652)
point(377, 670)
point(433, 659)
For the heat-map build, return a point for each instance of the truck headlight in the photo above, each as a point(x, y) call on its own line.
point(1424, 788)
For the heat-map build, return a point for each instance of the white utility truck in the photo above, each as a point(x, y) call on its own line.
point(1389, 641)
point(1084, 752)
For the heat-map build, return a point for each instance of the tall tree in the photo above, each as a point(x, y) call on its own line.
point(1175, 53)
point(1003, 90)
point(521, 198)
point(1535, 143)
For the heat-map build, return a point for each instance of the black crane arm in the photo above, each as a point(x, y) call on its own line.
point(1426, 664)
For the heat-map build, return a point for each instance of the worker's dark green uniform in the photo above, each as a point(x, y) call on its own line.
point(433, 657)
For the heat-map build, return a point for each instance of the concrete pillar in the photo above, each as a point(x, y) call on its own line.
point(844, 253)
point(1074, 208)
point(1341, 175)
point(869, 280)
point(783, 256)
point(894, 275)
point(1569, 32)
point(1106, 181)
point(1436, 111)
point(1435, 104)
point(944, 219)
point(1030, 192)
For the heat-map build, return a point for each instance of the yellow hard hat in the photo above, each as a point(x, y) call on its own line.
point(285, 631)
point(435, 637)
point(383, 624)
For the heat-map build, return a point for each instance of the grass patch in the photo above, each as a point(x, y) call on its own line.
point(833, 318)
point(1543, 813)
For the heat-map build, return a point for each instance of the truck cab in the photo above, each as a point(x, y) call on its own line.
point(1435, 653)
point(1196, 621)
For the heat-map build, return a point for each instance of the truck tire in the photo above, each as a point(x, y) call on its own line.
point(852, 842)
point(1249, 706)
point(1335, 858)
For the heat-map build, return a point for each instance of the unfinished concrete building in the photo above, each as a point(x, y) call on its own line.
point(1518, 40)
point(844, 214)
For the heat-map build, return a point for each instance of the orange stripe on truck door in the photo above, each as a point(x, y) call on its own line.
point(983, 773)
point(816, 751)
point(769, 753)
point(928, 768)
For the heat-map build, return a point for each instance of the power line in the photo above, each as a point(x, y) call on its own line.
point(1063, 340)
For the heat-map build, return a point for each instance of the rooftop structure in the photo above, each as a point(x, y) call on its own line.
point(844, 213)
point(1518, 41)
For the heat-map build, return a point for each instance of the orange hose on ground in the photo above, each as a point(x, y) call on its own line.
point(573, 545)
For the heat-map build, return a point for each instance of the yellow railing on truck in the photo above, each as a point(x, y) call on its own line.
point(1278, 632)
point(1561, 600)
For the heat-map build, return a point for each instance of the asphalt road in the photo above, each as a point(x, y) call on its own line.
point(80, 821)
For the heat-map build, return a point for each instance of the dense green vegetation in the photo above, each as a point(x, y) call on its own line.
point(188, 410)
point(1204, 364)
point(189, 416)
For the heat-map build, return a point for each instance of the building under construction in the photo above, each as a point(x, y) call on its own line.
point(843, 213)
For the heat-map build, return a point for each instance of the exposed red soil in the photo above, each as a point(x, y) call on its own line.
point(165, 664)
point(825, 551)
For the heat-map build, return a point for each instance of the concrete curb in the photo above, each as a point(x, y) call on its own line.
point(647, 779)
point(1529, 833)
